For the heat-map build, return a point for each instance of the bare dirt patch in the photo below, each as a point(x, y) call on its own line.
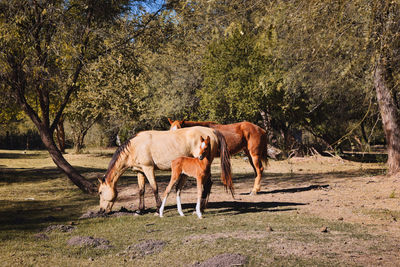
point(143, 249)
point(60, 228)
point(89, 241)
point(96, 214)
point(223, 260)
point(333, 189)
point(235, 234)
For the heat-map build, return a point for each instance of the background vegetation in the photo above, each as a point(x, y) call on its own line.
point(304, 70)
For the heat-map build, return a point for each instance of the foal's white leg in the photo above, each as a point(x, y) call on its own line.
point(199, 191)
point(198, 212)
point(179, 187)
point(162, 206)
point(178, 202)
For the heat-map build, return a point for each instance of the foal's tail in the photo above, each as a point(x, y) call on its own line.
point(226, 172)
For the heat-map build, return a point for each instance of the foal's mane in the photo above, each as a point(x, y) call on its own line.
point(114, 158)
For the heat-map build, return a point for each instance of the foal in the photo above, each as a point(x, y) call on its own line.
point(198, 168)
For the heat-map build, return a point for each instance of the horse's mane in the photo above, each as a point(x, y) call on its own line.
point(114, 158)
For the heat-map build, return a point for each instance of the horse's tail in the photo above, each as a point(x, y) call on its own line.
point(226, 172)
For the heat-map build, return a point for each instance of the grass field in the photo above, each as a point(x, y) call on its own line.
point(311, 212)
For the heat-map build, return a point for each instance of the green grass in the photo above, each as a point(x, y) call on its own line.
point(34, 195)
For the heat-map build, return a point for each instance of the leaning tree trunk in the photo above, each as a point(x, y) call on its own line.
point(389, 114)
point(80, 181)
point(61, 134)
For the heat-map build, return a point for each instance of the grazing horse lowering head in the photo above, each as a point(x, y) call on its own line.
point(108, 195)
point(175, 124)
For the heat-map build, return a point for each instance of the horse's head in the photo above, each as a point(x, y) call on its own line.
point(108, 195)
point(204, 147)
point(175, 124)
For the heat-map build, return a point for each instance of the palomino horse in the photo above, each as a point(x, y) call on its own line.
point(150, 150)
point(198, 168)
point(245, 136)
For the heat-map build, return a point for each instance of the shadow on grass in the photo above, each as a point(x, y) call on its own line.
point(24, 175)
point(242, 207)
point(33, 215)
point(22, 155)
point(318, 179)
point(291, 190)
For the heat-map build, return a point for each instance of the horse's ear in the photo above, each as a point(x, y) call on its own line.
point(201, 138)
point(181, 122)
point(170, 121)
point(100, 181)
point(208, 139)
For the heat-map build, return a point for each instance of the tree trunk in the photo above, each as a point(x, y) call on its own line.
point(79, 141)
point(266, 120)
point(389, 114)
point(63, 165)
point(61, 134)
point(363, 133)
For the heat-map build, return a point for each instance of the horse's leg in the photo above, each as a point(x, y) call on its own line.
point(141, 184)
point(206, 192)
point(200, 181)
point(174, 178)
point(149, 172)
point(259, 171)
point(246, 151)
point(179, 187)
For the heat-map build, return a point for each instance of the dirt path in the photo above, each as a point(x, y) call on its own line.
point(330, 188)
point(327, 188)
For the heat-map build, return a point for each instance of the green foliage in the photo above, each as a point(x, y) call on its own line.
point(305, 64)
point(232, 69)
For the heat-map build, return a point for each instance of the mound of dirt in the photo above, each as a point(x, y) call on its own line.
point(96, 214)
point(223, 260)
point(144, 248)
point(59, 227)
point(92, 214)
point(89, 241)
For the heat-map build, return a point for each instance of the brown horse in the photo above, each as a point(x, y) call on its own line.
point(199, 168)
point(151, 150)
point(242, 136)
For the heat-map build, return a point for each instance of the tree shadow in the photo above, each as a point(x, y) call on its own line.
point(22, 155)
point(29, 175)
point(241, 207)
point(291, 190)
point(34, 215)
point(317, 179)
point(370, 157)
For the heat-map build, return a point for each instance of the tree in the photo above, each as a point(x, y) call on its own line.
point(385, 36)
point(45, 46)
point(232, 68)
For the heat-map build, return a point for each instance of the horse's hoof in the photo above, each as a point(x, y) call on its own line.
point(156, 214)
